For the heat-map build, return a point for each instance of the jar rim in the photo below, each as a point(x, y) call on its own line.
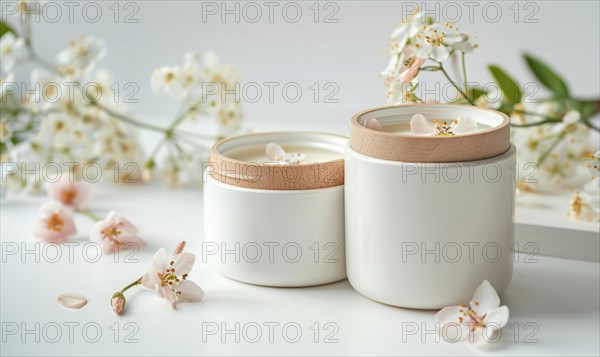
point(265, 176)
point(481, 144)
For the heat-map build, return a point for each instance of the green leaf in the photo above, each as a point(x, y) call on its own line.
point(547, 77)
point(508, 86)
point(4, 28)
point(476, 92)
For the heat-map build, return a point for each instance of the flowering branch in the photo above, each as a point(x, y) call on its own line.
point(89, 127)
point(127, 119)
point(167, 276)
point(463, 94)
point(558, 134)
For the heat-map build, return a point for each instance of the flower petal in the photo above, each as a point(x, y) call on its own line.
point(401, 34)
point(131, 241)
point(84, 191)
point(420, 125)
point(571, 117)
point(497, 318)
point(484, 299)
point(147, 282)
point(439, 53)
point(422, 49)
point(374, 124)
point(153, 275)
point(274, 152)
point(126, 227)
point(160, 291)
point(168, 294)
point(482, 336)
point(411, 72)
point(448, 314)
point(452, 38)
point(183, 263)
point(465, 125)
point(96, 231)
point(463, 46)
point(69, 228)
point(190, 292)
point(109, 246)
point(160, 260)
point(449, 325)
point(111, 218)
point(393, 66)
point(72, 300)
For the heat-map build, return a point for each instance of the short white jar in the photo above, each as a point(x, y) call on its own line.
point(276, 224)
point(428, 218)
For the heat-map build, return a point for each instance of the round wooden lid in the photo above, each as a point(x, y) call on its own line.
point(241, 161)
point(492, 140)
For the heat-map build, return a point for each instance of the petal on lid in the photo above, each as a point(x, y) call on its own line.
point(372, 123)
point(420, 125)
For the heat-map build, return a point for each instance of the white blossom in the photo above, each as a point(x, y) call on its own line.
point(229, 119)
point(433, 41)
point(479, 320)
point(12, 50)
point(81, 56)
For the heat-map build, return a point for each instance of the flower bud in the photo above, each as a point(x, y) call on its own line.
point(118, 302)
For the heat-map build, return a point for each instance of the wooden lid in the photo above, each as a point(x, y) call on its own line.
point(407, 147)
point(312, 174)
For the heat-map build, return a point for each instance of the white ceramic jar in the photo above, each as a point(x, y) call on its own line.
point(276, 224)
point(422, 233)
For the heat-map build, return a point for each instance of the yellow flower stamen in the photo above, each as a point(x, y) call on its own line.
point(68, 195)
point(55, 223)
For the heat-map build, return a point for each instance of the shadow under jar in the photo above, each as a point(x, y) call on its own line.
point(428, 217)
point(275, 223)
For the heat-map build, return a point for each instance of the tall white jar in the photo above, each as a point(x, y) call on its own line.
point(276, 224)
point(428, 218)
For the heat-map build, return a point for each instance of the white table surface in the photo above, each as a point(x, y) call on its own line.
point(554, 303)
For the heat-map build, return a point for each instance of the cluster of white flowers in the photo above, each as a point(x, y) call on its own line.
point(81, 57)
point(67, 127)
point(555, 150)
point(205, 87)
point(552, 139)
point(69, 112)
point(414, 42)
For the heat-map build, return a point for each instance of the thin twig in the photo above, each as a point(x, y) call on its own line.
point(464, 70)
point(455, 85)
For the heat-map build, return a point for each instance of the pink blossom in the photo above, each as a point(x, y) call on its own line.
point(410, 66)
point(71, 193)
point(403, 66)
point(168, 277)
point(116, 233)
point(54, 223)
